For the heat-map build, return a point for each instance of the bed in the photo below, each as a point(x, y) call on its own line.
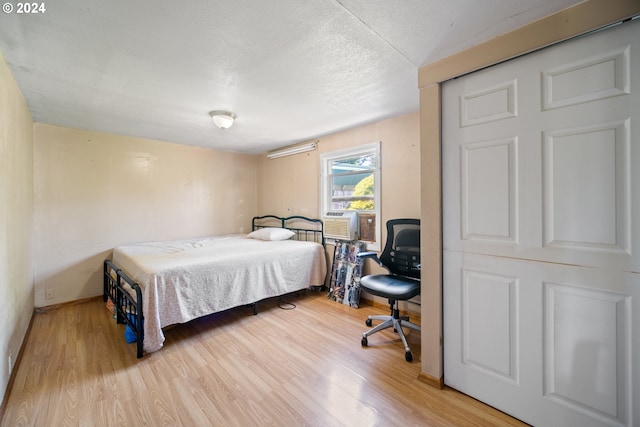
point(157, 284)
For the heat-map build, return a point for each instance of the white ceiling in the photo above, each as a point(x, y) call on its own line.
point(291, 70)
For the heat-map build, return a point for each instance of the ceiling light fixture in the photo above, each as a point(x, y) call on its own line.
point(295, 149)
point(222, 119)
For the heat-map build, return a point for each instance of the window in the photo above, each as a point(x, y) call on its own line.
point(351, 182)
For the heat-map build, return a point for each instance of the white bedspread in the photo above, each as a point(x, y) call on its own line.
point(184, 280)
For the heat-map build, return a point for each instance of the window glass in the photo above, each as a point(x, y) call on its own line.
point(349, 184)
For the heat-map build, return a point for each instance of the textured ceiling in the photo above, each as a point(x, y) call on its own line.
point(291, 70)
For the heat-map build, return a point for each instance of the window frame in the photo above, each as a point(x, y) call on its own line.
point(326, 183)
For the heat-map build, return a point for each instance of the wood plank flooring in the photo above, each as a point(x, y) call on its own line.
point(296, 367)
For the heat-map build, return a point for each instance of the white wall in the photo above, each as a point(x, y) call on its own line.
point(94, 191)
point(16, 221)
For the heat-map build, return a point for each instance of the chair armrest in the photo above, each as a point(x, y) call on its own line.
point(372, 255)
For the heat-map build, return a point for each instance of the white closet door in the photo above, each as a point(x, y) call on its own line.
point(541, 199)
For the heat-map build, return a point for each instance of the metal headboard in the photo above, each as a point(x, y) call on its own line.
point(305, 229)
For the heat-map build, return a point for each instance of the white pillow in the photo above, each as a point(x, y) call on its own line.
point(270, 233)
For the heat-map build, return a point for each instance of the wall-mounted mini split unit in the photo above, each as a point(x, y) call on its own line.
point(341, 225)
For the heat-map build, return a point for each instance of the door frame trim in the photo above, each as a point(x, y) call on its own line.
point(582, 18)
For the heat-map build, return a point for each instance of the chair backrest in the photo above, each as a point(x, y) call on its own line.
point(401, 254)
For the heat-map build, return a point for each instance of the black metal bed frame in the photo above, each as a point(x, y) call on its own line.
point(128, 307)
point(317, 235)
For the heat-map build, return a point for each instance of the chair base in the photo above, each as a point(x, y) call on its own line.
point(397, 322)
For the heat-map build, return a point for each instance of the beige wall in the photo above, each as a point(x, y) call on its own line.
point(16, 220)
point(570, 22)
point(291, 185)
point(94, 191)
point(400, 162)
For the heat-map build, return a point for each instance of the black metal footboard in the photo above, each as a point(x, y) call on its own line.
point(128, 308)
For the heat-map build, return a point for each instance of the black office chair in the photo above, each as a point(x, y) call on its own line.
point(401, 257)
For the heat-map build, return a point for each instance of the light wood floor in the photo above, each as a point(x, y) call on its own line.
point(303, 366)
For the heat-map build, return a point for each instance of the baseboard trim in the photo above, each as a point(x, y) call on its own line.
point(431, 380)
point(49, 308)
point(16, 365)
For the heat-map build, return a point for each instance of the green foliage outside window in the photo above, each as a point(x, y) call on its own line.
point(363, 188)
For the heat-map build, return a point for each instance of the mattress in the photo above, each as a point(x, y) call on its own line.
point(186, 279)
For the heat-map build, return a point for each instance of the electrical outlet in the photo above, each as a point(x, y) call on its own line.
point(50, 293)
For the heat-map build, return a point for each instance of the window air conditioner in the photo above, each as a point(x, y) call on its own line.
point(341, 225)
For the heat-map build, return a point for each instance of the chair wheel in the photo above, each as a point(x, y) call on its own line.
point(364, 342)
point(408, 356)
point(368, 322)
